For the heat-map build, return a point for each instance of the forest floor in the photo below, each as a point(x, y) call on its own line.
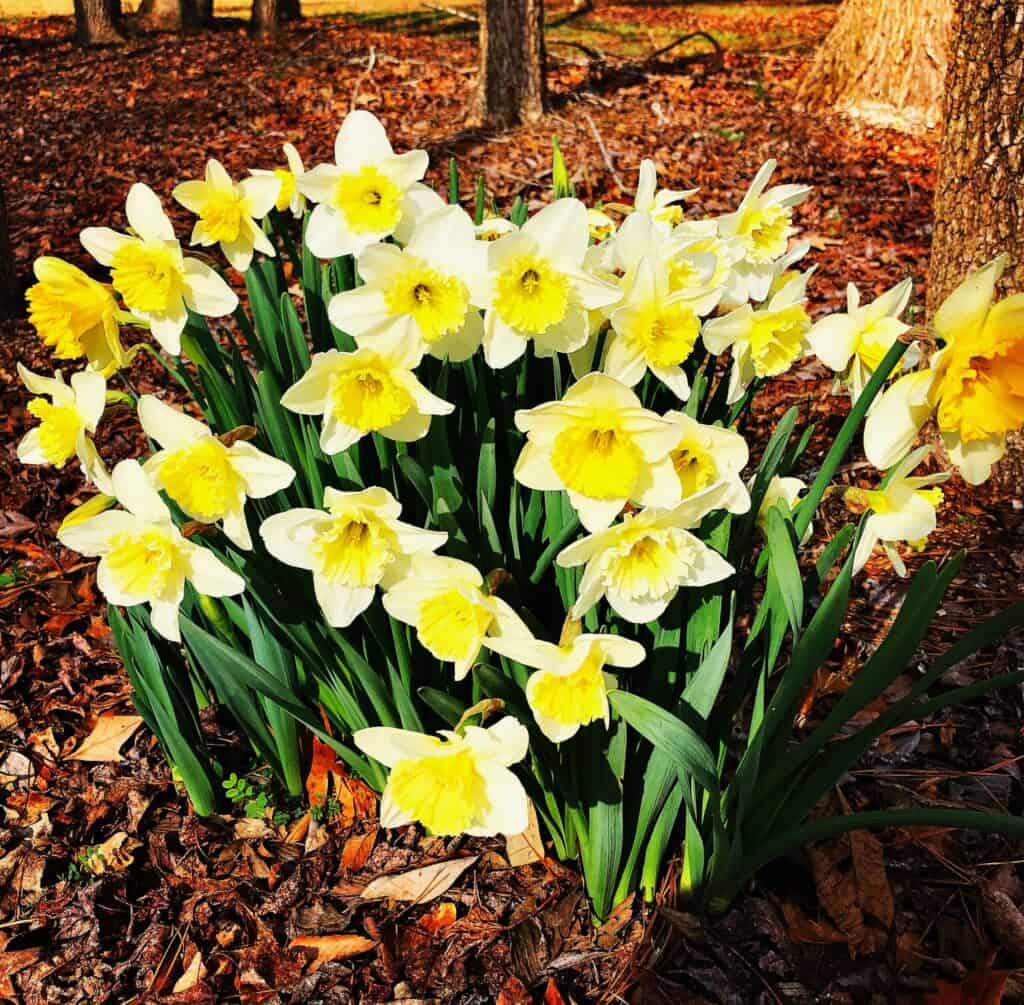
point(189, 910)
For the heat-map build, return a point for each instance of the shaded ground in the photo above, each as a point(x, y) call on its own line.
point(79, 128)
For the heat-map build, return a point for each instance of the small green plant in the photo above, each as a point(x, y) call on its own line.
point(84, 864)
point(326, 810)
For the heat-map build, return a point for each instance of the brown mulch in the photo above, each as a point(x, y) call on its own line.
point(78, 129)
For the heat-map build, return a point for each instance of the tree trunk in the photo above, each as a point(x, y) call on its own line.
point(8, 278)
point(163, 15)
point(511, 88)
point(883, 61)
point(979, 197)
point(95, 23)
point(264, 18)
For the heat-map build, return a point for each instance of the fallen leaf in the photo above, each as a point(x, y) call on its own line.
point(440, 917)
point(194, 973)
point(983, 987)
point(801, 928)
point(522, 849)
point(332, 947)
point(16, 767)
point(114, 855)
point(107, 738)
point(298, 830)
point(252, 828)
point(873, 890)
point(358, 849)
point(552, 996)
point(419, 885)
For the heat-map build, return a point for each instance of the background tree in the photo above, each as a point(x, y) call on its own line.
point(511, 87)
point(290, 10)
point(96, 22)
point(8, 278)
point(884, 61)
point(265, 15)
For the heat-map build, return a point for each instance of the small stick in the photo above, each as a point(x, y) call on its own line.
point(604, 152)
point(452, 11)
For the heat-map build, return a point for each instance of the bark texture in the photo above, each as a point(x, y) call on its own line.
point(883, 61)
point(264, 18)
point(8, 279)
point(511, 87)
point(96, 22)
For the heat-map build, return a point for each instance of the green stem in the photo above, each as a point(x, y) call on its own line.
point(565, 535)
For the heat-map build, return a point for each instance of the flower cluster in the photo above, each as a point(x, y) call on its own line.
point(642, 300)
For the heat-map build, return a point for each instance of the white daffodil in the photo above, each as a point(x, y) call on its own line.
point(539, 287)
point(228, 212)
point(208, 480)
point(660, 204)
point(353, 547)
point(704, 456)
point(494, 227)
point(570, 687)
point(973, 383)
point(362, 197)
point(423, 294)
point(66, 422)
point(701, 237)
point(454, 783)
point(781, 490)
point(904, 510)
point(143, 556)
point(74, 314)
point(654, 329)
point(157, 282)
point(855, 343)
point(640, 563)
point(366, 391)
point(764, 221)
point(600, 224)
point(289, 198)
point(444, 600)
point(765, 342)
point(601, 446)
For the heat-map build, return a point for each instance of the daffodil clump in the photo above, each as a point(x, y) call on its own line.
point(468, 496)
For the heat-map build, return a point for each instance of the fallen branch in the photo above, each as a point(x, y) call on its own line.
point(451, 12)
point(719, 55)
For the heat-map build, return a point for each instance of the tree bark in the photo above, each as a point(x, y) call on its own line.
point(979, 197)
point(883, 61)
point(9, 299)
point(264, 21)
point(96, 22)
point(511, 87)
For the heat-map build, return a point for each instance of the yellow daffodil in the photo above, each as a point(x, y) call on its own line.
point(974, 385)
point(640, 563)
point(454, 783)
point(143, 556)
point(660, 204)
point(764, 222)
point(701, 237)
point(855, 343)
point(228, 212)
point(366, 391)
point(357, 544)
point(600, 445)
point(157, 282)
point(784, 490)
point(654, 329)
point(423, 294)
point(74, 315)
point(208, 480)
point(444, 600)
point(289, 198)
point(539, 288)
point(904, 510)
point(765, 342)
point(66, 422)
point(704, 456)
point(570, 687)
point(362, 196)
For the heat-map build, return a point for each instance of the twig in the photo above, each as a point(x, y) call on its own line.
point(452, 11)
point(609, 163)
point(582, 7)
point(718, 57)
point(370, 64)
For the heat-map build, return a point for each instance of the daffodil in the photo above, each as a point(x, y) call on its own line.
point(362, 196)
point(144, 559)
point(704, 456)
point(904, 510)
point(423, 294)
point(453, 783)
point(491, 228)
point(855, 343)
point(601, 446)
point(74, 314)
point(366, 391)
point(701, 237)
point(228, 212)
point(974, 385)
point(66, 422)
point(207, 479)
point(570, 687)
point(157, 282)
point(662, 205)
point(289, 198)
point(765, 342)
point(640, 563)
point(764, 222)
point(600, 224)
point(655, 330)
point(540, 290)
point(444, 600)
point(784, 490)
point(355, 545)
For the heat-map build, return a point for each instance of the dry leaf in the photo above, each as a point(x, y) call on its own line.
point(983, 987)
point(419, 885)
point(7, 718)
point(440, 917)
point(299, 829)
point(252, 828)
point(800, 928)
point(331, 947)
point(107, 738)
point(114, 855)
point(873, 890)
point(194, 973)
point(16, 767)
point(522, 849)
point(358, 849)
